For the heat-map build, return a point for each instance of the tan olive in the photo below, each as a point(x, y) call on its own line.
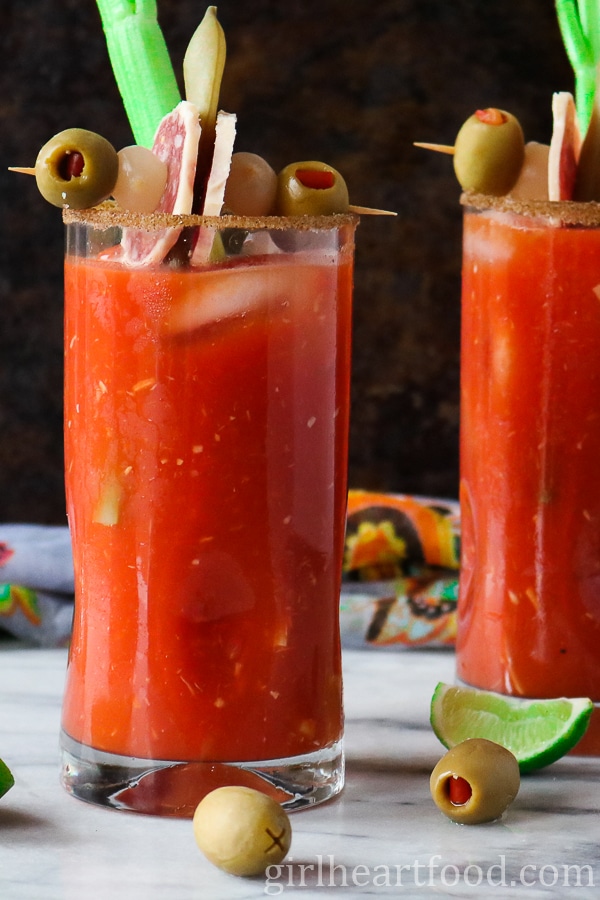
point(141, 179)
point(251, 185)
point(475, 782)
point(488, 152)
point(242, 831)
point(77, 169)
point(310, 189)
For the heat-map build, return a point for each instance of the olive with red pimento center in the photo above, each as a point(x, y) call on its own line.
point(475, 782)
point(310, 189)
point(76, 169)
point(489, 151)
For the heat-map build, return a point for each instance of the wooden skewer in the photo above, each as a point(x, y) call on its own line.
point(369, 211)
point(360, 210)
point(439, 148)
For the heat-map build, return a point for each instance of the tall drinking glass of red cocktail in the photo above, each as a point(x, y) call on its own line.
point(529, 610)
point(206, 423)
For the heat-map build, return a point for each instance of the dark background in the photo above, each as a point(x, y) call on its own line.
point(350, 82)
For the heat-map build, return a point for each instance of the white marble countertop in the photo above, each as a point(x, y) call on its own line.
point(384, 836)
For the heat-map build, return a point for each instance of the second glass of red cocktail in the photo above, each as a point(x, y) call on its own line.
point(529, 609)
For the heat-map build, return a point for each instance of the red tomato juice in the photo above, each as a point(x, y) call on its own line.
point(206, 420)
point(529, 609)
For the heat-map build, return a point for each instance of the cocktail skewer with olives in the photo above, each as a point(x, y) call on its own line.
point(491, 157)
point(488, 152)
point(80, 169)
point(191, 166)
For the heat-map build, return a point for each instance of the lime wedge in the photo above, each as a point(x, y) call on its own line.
point(6, 778)
point(537, 732)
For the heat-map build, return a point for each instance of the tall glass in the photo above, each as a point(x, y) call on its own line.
point(206, 428)
point(529, 607)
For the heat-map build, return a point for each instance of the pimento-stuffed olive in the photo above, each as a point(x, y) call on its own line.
point(475, 782)
point(310, 189)
point(76, 169)
point(488, 152)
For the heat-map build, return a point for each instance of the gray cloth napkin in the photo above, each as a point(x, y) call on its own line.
point(36, 583)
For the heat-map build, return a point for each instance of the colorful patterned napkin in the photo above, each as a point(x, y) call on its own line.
point(400, 580)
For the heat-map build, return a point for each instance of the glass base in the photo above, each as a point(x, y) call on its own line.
point(174, 788)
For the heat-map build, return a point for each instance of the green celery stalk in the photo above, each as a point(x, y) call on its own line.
point(581, 51)
point(141, 64)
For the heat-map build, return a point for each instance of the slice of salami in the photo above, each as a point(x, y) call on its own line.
point(176, 143)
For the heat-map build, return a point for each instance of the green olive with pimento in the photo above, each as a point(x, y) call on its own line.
point(489, 151)
point(76, 169)
point(310, 189)
point(475, 782)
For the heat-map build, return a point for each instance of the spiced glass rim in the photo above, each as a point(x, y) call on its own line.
point(109, 215)
point(562, 212)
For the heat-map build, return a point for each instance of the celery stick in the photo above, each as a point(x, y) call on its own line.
point(581, 54)
point(141, 64)
point(587, 185)
point(589, 14)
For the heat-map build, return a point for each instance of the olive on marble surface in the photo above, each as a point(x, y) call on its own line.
point(241, 830)
point(475, 782)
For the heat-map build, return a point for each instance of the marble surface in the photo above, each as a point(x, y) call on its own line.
point(383, 836)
